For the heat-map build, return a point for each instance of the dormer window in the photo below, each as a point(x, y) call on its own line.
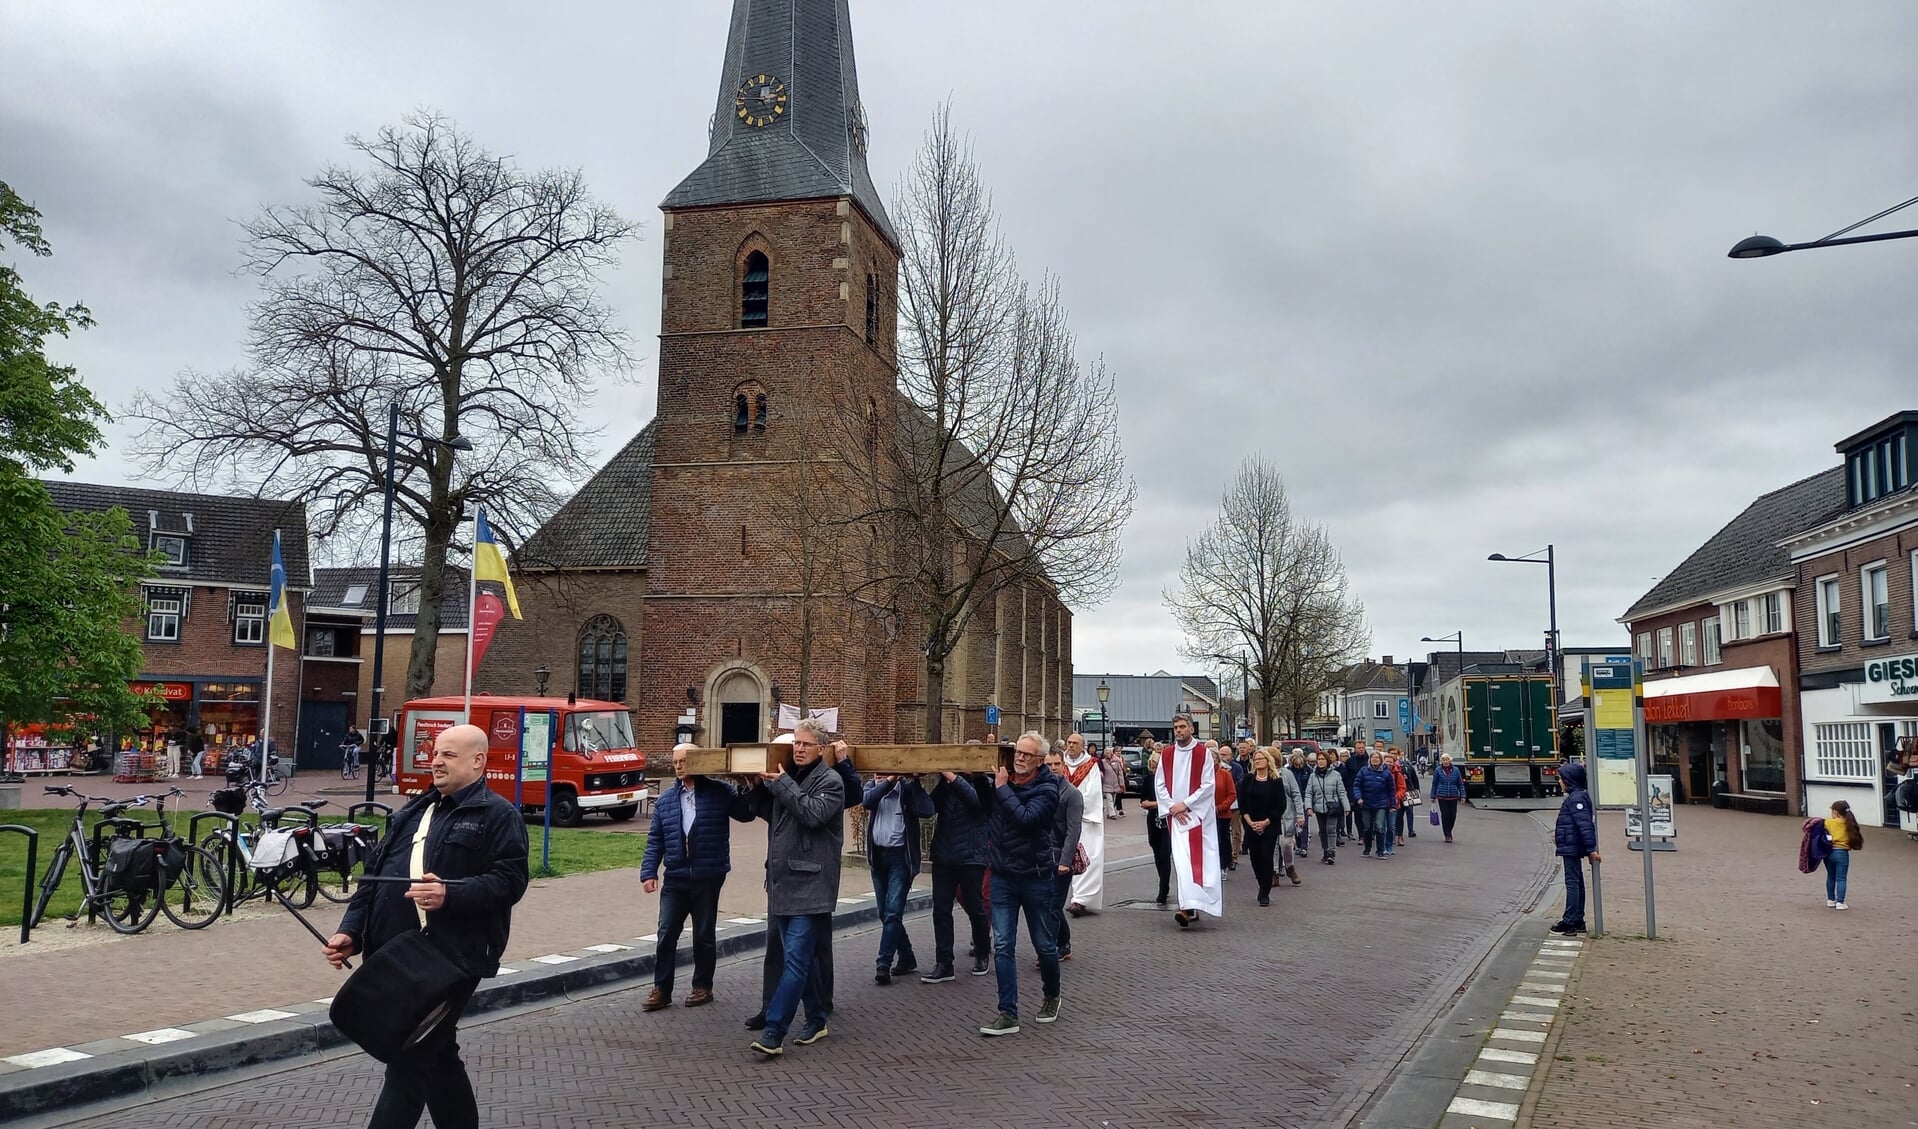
point(1881, 461)
point(755, 291)
point(172, 546)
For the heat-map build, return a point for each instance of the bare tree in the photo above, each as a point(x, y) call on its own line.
point(1259, 579)
point(1002, 467)
point(444, 281)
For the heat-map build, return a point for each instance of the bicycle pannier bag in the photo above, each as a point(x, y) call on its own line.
point(232, 801)
point(129, 865)
point(397, 996)
point(275, 848)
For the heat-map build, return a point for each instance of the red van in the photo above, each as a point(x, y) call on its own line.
point(586, 747)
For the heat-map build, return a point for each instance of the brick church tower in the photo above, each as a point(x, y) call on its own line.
point(780, 274)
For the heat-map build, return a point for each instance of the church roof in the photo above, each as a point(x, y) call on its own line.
point(814, 145)
point(605, 524)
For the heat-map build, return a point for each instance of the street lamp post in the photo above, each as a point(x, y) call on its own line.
point(1764, 246)
point(1105, 713)
point(1551, 596)
point(393, 433)
point(1245, 694)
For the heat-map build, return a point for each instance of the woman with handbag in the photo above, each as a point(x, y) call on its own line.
point(1326, 798)
point(1448, 789)
point(1071, 855)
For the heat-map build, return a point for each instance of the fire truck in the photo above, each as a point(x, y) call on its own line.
point(579, 753)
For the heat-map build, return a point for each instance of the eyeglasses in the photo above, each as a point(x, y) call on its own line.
point(805, 744)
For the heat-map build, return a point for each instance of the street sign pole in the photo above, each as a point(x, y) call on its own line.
point(1591, 780)
point(1644, 756)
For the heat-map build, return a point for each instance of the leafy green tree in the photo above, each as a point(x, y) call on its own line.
point(70, 582)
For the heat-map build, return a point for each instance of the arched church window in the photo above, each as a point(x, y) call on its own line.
point(755, 290)
point(602, 659)
point(759, 412)
point(741, 417)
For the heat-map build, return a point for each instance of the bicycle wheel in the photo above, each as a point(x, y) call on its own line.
point(214, 847)
point(197, 894)
point(128, 911)
point(275, 783)
point(300, 885)
point(50, 883)
point(336, 882)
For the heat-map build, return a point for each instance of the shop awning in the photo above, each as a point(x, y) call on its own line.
point(1720, 695)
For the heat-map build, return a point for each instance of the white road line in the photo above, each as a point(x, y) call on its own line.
point(1511, 1036)
point(1560, 943)
point(506, 970)
point(1554, 975)
point(743, 921)
point(555, 958)
point(159, 1035)
point(1500, 1054)
point(1531, 987)
point(1502, 1081)
point(52, 1056)
point(1472, 1107)
point(1535, 1001)
point(606, 948)
point(264, 1015)
point(1541, 1017)
point(327, 1002)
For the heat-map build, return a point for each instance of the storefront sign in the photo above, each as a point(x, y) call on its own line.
point(168, 691)
point(1893, 679)
point(1755, 703)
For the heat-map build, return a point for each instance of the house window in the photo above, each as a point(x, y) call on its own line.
point(1645, 646)
point(172, 546)
point(403, 598)
point(1874, 582)
point(1742, 620)
point(354, 597)
point(1774, 606)
point(1843, 751)
point(1914, 592)
point(321, 642)
point(602, 659)
point(163, 618)
point(1688, 644)
point(755, 291)
point(872, 307)
point(1830, 607)
point(1379, 710)
point(1665, 654)
point(249, 617)
point(1713, 628)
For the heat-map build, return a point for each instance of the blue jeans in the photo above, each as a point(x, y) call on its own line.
point(892, 881)
point(1034, 895)
point(680, 899)
point(1837, 867)
point(799, 936)
point(1574, 891)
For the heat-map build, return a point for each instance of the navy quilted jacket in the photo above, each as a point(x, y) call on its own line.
point(711, 855)
point(1576, 834)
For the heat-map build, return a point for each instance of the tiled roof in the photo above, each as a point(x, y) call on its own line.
point(1136, 699)
point(229, 539)
point(1369, 675)
point(814, 147)
point(1746, 550)
point(332, 586)
point(605, 524)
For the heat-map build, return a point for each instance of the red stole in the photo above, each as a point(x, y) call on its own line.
point(1195, 838)
point(1078, 775)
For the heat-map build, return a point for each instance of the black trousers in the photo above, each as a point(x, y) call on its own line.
point(774, 967)
point(1260, 845)
point(679, 900)
point(1159, 837)
point(1224, 821)
point(1448, 815)
point(430, 1076)
point(1061, 920)
point(966, 884)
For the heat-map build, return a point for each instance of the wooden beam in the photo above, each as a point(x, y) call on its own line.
point(903, 759)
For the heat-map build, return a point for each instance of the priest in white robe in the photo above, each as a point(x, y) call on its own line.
point(1184, 784)
point(1083, 772)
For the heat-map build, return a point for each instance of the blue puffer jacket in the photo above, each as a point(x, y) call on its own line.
point(1019, 839)
point(1376, 788)
point(711, 855)
point(1576, 834)
point(959, 838)
point(1448, 783)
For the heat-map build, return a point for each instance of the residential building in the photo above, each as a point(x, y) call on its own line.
point(1367, 697)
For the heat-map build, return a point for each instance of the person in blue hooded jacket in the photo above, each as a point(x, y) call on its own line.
point(1376, 791)
point(1576, 837)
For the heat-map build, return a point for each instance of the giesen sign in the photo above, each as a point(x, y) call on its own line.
point(1890, 680)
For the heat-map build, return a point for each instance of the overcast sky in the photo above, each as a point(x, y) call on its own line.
point(1458, 270)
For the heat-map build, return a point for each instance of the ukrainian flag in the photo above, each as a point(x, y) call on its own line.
point(280, 619)
point(489, 563)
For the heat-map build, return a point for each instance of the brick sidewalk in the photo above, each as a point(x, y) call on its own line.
point(1757, 1006)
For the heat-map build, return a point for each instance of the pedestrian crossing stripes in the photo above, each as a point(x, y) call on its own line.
point(1491, 1089)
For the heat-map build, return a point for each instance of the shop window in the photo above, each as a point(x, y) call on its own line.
point(755, 291)
point(172, 546)
point(163, 618)
point(1874, 583)
point(1914, 592)
point(1688, 644)
point(1713, 628)
point(1843, 751)
point(249, 617)
point(602, 659)
point(1830, 612)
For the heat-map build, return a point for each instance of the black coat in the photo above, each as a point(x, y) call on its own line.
point(1019, 840)
point(959, 838)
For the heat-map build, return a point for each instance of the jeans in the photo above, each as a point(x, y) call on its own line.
point(430, 1076)
point(1061, 921)
point(678, 900)
point(1407, 826)
point(1329, 833)
point(967, 884)
point(1033, 895)
point(773, 968)
point(1837, 867)
point(1258, 847)
point(1372, 828)
point(1574, 892)
point(1448, 815)
point(891, 881)
point(799, 935)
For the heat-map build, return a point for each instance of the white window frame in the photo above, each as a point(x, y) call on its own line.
point(1381, 711)
point(164, 612)
point(165, 543)
point(1645, 646)
point(1742, 619)
point(1665, 654)
point(1844, 750)
point(1827, 613)
point(1874, 630)
point(249, 617)
point(1688, 643)
point(1771, 613)
point(1714, 641)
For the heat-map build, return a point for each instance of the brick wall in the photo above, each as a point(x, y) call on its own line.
point(206, 650)
point(449, 669)
point(1895, 550)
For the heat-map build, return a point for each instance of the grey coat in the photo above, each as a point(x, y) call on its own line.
point(1294, 798)
point(1326, 794)
point(803, 844)
point(1066, 826)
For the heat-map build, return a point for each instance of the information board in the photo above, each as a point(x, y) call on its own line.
point(536, 746)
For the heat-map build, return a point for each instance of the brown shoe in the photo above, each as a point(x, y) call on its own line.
point(1292, 872)
point(699, 996)
point(655, 1000)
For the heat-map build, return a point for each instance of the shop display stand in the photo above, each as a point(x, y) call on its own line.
point(135, 767)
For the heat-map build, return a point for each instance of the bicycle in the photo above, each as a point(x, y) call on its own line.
point(267, 860)
point(339, 856)
point(192, 883)
point(349, 761)
point(105, 867)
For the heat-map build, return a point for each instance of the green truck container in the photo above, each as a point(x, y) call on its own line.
point(1500, 732)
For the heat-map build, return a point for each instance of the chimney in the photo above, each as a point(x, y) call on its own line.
point(1387, 661)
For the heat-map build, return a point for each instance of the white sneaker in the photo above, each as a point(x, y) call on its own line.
point(1829, 903)
point(1841, 905)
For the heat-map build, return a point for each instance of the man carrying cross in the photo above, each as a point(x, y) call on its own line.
point(1184, 787)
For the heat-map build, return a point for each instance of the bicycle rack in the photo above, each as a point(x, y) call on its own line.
point(232, 848)
point(385, 813)
point(96, 842)
point(33, 860)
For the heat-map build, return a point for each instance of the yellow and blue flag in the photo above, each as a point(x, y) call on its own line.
point(280, 619)
point(489, 563)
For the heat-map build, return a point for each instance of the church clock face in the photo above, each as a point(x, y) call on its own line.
point(761, 101)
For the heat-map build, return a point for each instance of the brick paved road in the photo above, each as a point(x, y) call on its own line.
point(1757, 1006)
point(1289, 1016)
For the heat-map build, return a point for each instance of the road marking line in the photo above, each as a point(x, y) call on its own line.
point(1500, 1054)
point(1553, 975)
point(1540, 1017)
point(1536, 1001)
point(264, 1015)
point(648, 938)
point(1560, 988)
point(159, 1035)
point(555, 958)
point(1512, 1036)
point(743, 921)
point(327, 1002)
point(1560, 943)
point(1502, 1081)
point(1473, 1107)
point(52, 1056)
point(506, 970)
point(850, 901)
point(606, 948)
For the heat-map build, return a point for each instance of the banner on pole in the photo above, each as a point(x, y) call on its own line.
point(488, 610)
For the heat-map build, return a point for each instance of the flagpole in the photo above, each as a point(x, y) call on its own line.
point(472, 626)
point(266, 699)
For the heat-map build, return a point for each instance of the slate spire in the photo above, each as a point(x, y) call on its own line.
point(789, 124)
